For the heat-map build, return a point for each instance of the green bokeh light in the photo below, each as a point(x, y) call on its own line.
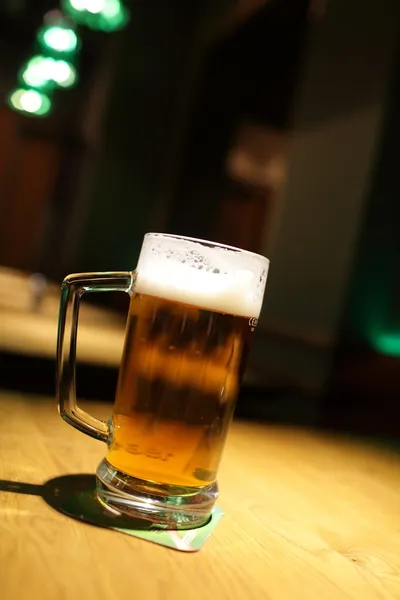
point(44, 73)
point(60, 40)
point(34, 73)
point(64, 74)
point(104, 15)
point(31, 102)
point(95, 6)
point(78, 4)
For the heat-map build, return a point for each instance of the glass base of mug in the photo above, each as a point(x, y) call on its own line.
point(168, 505)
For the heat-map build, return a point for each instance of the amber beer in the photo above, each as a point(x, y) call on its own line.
point(194, 307)
point(177, 388)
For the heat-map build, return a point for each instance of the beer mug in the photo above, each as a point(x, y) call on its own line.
point(193, 310)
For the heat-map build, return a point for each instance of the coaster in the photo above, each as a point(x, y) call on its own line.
point(84, 506)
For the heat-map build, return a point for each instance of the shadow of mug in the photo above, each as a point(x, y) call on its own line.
point(75, 496)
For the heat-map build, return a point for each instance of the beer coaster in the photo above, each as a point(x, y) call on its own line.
point(84, 506)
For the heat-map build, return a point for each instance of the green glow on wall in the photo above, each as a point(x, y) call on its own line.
point(387, 343)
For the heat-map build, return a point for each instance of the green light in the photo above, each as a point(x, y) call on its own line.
point(95, 6)
point(30, 102)
point(34, 73)
point(64, 73)
point(115, 14)
point(387, 343)
point(105, 15)
point(112, 9)
point(58, 39)
point(78, 4)
point(43, 72)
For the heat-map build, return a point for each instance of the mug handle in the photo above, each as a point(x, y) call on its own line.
point(72, 290)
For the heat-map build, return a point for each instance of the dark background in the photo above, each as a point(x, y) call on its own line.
point(269, 125)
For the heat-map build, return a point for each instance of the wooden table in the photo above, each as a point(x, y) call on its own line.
point(308, 516)
point(33, 332)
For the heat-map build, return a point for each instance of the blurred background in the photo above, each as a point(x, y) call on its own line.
point(267, 124)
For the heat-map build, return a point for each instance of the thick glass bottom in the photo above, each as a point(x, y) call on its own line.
point(167, 505)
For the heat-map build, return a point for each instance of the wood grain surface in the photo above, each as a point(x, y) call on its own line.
point(308, 516)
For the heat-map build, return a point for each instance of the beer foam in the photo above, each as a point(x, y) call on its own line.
point(207, 275)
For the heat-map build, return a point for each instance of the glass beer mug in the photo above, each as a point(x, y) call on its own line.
point(193, 310)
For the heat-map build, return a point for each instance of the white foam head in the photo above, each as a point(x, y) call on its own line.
point(204, 274)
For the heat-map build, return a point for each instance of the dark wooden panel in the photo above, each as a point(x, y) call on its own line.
point(29, 192)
